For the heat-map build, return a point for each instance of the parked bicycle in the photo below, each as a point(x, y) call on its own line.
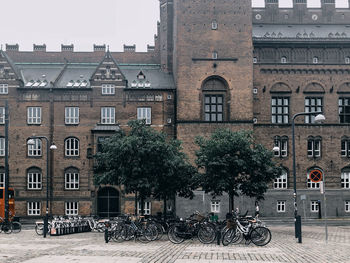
point(10, 226)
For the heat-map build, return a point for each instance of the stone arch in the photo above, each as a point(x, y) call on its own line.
point(344, 87)
point(314, 87)
point(280, 87)
point(215, 83)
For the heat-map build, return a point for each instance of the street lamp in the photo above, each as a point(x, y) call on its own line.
point(48, 148)
point(297, 219)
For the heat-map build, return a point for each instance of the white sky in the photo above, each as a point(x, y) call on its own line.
point(87, 22)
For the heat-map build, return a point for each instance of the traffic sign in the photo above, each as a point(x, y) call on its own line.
point(316, 176)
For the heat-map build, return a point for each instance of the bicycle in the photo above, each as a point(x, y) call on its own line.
point(10, 226)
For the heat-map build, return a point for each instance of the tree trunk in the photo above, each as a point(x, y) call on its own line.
point(135, 203)
point(231, 202)
point(142, 200)
point(165, 208)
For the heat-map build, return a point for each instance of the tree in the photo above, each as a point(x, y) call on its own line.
point(232, 162)
point(145, 162)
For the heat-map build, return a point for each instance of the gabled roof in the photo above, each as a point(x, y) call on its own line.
point(12, 65)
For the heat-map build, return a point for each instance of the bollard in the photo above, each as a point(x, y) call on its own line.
point(106, 235)
point(218, 235)
point(319, 209)
point(298, 228)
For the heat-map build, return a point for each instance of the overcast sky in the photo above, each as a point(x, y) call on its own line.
point(87, 22)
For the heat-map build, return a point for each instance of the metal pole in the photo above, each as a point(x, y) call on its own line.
point(47, 186)
point(6, 162)
point(325, 206)
point(294, 179)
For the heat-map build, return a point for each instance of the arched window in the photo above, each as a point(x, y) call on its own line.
point(214, 25)
point(214, 55)
point(283, 60)
point(347, 60)
point(34, 178)
point(71, 145)
point(315, 60)
point(282, 144)
point(281, 182)
point(345, 178)
point(311, 184)
point(71, 178)
point(2, 176)
point(36, 148)
point(214, 92)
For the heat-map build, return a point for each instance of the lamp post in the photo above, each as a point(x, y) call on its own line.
point(48, 148)
point(297, 219)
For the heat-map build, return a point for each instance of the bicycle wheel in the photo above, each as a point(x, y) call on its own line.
point(6, 228)
point(16, 227)
point(173, 237)
point(206, 234)
point(228, 236)
point(260, 236)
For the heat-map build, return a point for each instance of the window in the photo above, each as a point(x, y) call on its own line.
point(344, 110)
point(71, 179)
point(280, 110)
point(214, 25)
point(347, 60)
point(282, 144)
point(146, 208)
point(2, 115)
point(314, 206)
point(71, 146)
point(283, 60)
point(2, 146)
point(313, 105)
point(281, 182)
point(315, 60)
point(34, 115)
point(255, 60)
point(71, 208)
point(214, 55)
point(345, 178)
point(281, 206)
point(71, 115)
point(108, 115)
point(4, 89)
point(2, 177)
point(108, 89)
point(311, 184)
point(314, 147)
point(144, 114)
point(345, 147)
point(33, 208)
point(215, 207)
point(35, 149)
point(347, 206)
point(34, 177)
point(213, 107)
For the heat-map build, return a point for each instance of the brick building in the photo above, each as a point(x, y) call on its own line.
point(214, 64)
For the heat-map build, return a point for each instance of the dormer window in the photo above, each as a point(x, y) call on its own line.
point(315, 60)
point(36, 84)
point(347, 60)
point(76, 84)
point(147, 84)
point(43, 84)
point(215, 55)
point(134, 84)
point(283, 60)
point(83, 84)
point(140, 84)
point(70, 84)
point(30, 83)
point(141, 75)
point(214, 25)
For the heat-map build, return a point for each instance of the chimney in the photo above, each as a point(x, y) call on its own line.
point(100, 48)
point(150, 48)
point(69, 48)
point(12, 47)
point(129, 48)
point(39, 47)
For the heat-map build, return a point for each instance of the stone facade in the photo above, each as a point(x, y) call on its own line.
point(213, 64)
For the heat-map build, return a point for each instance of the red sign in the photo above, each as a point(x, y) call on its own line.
point(316, 176)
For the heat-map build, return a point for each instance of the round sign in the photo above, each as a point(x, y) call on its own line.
point(316, 176)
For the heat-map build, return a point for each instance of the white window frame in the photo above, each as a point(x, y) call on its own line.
point(280, 110)
point(283, 60)
point(71, 179)
point(33, 208)
point(71, 115)
point(145, 113)
point(34, 180)
point(282, 144)
point(314, 146)
point(347, 206)
point(71, 147)
point(4, 89)
point(108, 89)
point(281, 181)
point(2, 179)
point(215, 206)
point(345, 178)
point(345, 148)
point(312, 104)
point(214, 25)
point(71, 208)
point(347, 60)
point(281, 206)
point(314, 206)
point(255, 60)
point(147, 208)
point(34, 115)
point(2, 115)
point(311, 184)
point(214, 55)
point(2, 146)
point(108, 115)
point(35, 149)
point(315, 60)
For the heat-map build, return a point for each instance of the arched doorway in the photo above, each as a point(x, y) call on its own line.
point(108, 202)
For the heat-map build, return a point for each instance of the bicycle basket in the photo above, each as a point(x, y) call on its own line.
point(198, 217)
point(231, 224)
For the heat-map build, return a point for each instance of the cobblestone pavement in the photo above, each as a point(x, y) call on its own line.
point(27, 247)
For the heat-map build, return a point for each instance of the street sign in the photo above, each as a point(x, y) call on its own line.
point(302, 197)
point(316, 176)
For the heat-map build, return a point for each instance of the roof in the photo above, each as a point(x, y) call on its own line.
point(76, 74)
point(39, 73)
point(307, 32)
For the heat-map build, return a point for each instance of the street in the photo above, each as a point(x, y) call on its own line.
point(28, 247)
